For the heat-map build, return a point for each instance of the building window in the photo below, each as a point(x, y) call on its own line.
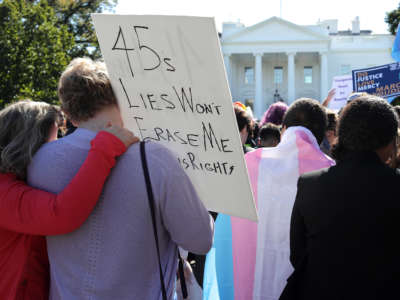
point(345, 69)
point(308, 75)
point(248, 75)
point(278, 75)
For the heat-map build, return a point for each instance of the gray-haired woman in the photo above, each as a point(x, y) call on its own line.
point(27, 214)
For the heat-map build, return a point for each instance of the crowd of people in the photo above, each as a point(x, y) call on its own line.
point(99, 215)
point(324, 184)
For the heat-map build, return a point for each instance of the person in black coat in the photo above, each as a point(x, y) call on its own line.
point(345, 225)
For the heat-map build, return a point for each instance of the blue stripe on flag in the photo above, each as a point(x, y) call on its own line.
point(218, 281)
point(396, 46)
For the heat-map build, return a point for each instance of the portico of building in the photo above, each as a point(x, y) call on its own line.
point(261, 78)
point(276, 59)
point(288, 61)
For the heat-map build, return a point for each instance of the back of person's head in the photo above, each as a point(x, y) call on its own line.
point(270, 135)
point(332, 118)
point(85, 89)
point(308, 113)
point(255, 128)
point(355, 95)
point(25, 127)
point(366, 124)
point(274, 114)
point(243, 119)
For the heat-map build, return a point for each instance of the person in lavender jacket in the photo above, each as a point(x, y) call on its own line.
point(113, 255)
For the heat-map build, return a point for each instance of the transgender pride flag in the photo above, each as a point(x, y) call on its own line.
point(250, 260)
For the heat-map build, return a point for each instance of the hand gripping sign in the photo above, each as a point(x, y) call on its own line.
point(169, 78)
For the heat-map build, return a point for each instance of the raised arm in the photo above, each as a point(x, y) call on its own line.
point(27, 210)
point(328, 99)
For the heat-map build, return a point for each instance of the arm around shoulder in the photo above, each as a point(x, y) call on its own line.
point(32, 211)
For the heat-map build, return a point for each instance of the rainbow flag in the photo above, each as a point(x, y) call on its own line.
point(250, 260)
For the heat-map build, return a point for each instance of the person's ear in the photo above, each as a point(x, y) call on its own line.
point(387, 152)
point(52, 135)
point(76, 124)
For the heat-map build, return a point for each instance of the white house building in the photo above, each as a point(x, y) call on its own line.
point(278, 59)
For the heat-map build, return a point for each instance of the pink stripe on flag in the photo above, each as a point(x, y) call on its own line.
point(311, 158)
point(244, 238)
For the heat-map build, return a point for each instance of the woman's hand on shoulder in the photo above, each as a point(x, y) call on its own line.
point(126, 136)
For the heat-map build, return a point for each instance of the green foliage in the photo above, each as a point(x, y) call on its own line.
point(393, 20)
point(38, 38)
point(34, 51)
point(76, 15)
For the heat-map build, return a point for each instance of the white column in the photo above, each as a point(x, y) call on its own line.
point(227, 62)
point(291, 78)
point(258, 101)
point(324, 75)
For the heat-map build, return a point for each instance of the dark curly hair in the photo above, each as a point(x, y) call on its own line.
point(308, 113)
point(268, 132)
point(366, 124)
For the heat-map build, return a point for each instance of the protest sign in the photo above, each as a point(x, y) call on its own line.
point(383, 81)
point(168, 75)
point(343, 86)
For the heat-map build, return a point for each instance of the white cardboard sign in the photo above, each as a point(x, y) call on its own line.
point(168, 75)
point(344, 87)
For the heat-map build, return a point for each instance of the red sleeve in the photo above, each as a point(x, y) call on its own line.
point(27, 210)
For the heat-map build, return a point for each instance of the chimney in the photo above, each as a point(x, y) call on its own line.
point(356, 26)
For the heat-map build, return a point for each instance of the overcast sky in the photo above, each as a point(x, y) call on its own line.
point(250, 12)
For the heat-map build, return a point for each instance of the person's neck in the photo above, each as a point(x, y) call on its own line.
point(93, 125)
point(102, 119)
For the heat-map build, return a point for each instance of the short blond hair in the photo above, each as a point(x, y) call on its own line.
point(84, 89)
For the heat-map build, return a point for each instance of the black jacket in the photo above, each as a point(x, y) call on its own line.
point(345, 232)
